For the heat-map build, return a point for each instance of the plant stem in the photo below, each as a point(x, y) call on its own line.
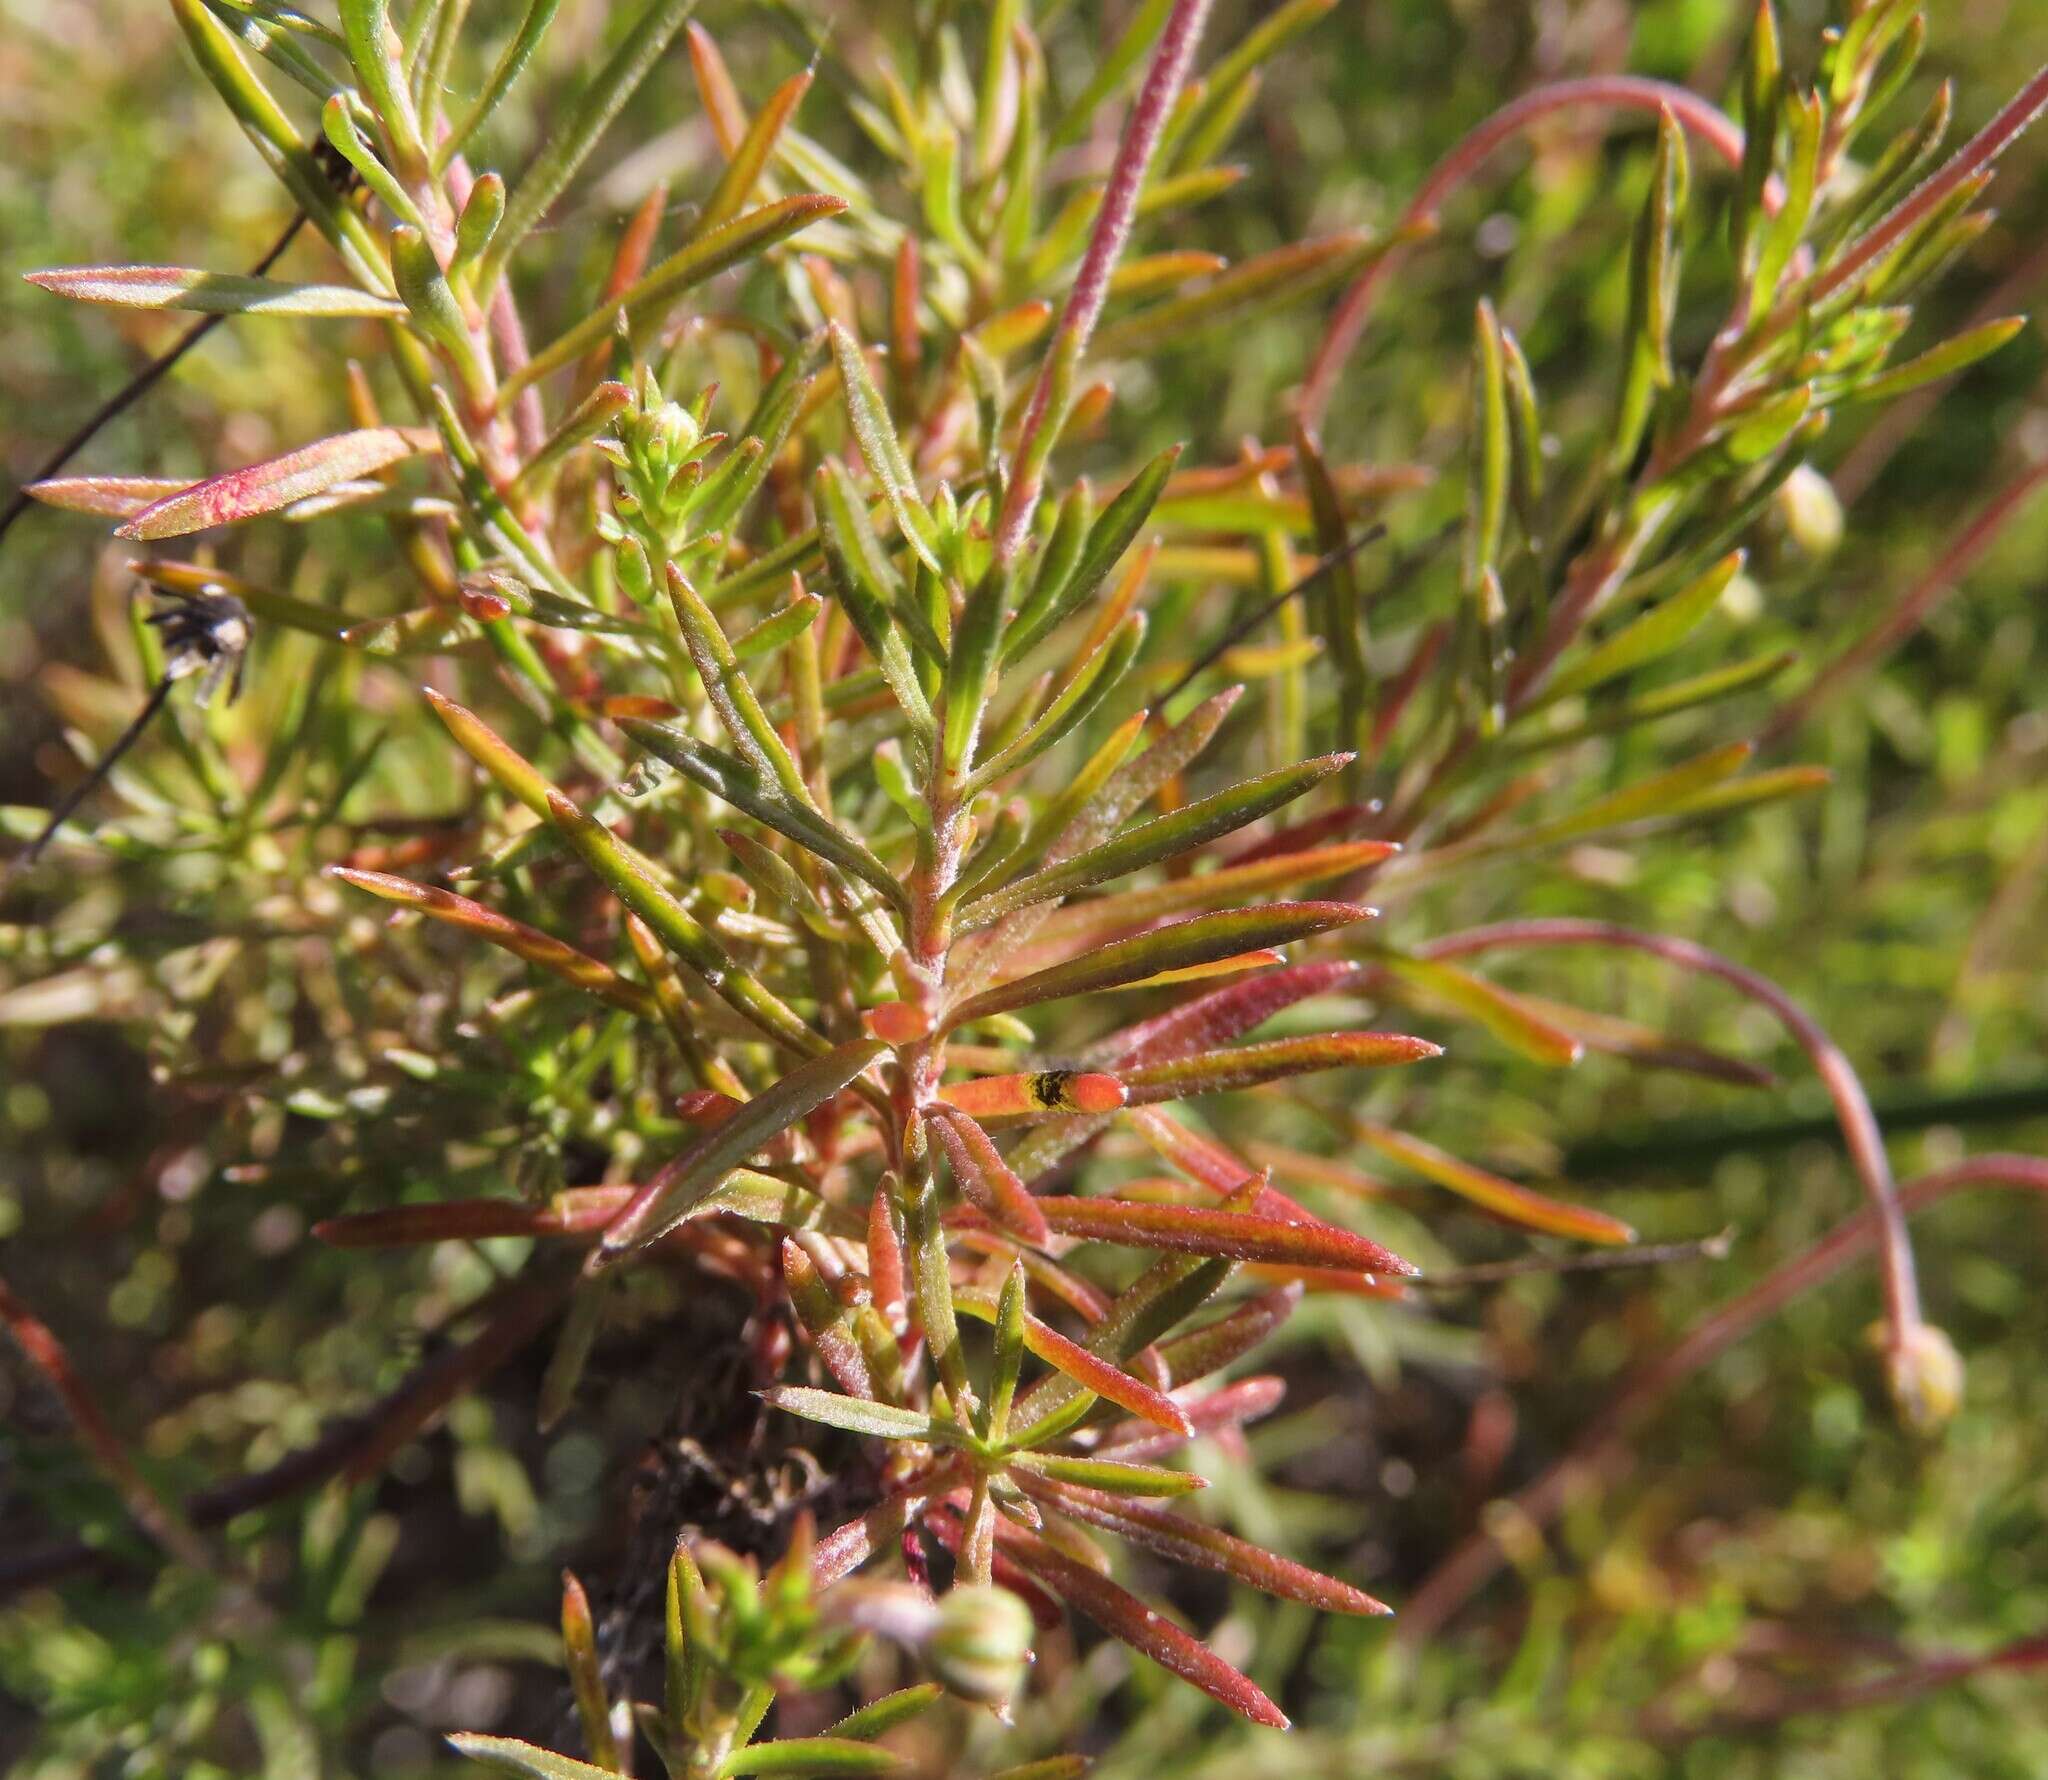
point(1599, 1453)
point(1053, 393)
point(1457, 168)
point(1852, 1105)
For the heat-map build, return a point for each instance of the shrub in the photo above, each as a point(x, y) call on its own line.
point(857, 847)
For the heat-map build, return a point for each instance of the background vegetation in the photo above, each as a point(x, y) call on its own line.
point(1775, 1542)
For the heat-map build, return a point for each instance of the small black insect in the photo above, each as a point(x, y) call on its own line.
point(204, 633)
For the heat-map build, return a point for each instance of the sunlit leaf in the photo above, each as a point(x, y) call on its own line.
point(208, 293)
point(675, 1191)
point(278, 482)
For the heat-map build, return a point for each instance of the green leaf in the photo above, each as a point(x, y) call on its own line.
point(1498, 1010)
point(648, 298)
point(1945, 360)
point(881, 449)
point(207, 293)
point(1653, 635)
point(1763, 85)
point(880, 1716)
point(543, 950)
point(1173, 947)
point(1487, 499)
point(1659, 795)
point(878, 1421)
point(793, 1756)
point(510, 1756)
point(1804, 121)
point(1163, 838)
point(1246, 1066)
point(751, 157)
point(1115, 68)
point(373, 52)
point(1087, 686)
point(738, 785)
point(1116, 1478)
point(677, 1189)
point(278, 141)
point(1108, 538)
point(1519, 1205)
point(569, 142)
point(636, 882)
point(510, 65)
point(871, 593)
point(732, 694)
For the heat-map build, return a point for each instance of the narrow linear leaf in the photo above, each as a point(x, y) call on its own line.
point(668, 1198)
point(1222, 1014)
point(880, 1716)
point(1216, 1072)
point(568, 145)
point(1207, 1230)
point(881, 449)
point(1498, 1010)
point(1656, 633)
point(1945, 360)
point(1185, 1541)
point(1114, 1477)
point(1199, 940)
point(651, 296)
point(755, 150)
point(510, 1756)
point(1163, 838)
point(277, 482)
point(984, 1177)
point(111, 497)
point(1144, 1629)
point(730, 779)
point(1291, 274)
point(537, 948)
point(790, 1757)
point(208, 293)
point(1113, 533)
point(1230, 883)
point(1090, 1371)
point(1534, 1211)
point(879, 1421)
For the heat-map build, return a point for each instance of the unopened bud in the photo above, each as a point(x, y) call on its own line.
point(1925, 1374)
point(982, 1644)
point(1811, 512)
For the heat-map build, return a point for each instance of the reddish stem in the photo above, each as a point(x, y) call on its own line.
point(1622, 92)
point(157, 1517)
point(1599, 1452)
point(1852, 1106)
point(1142, 130)
point(1977, 154)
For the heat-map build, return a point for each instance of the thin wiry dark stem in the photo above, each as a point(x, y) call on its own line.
point(68, 804)
point(1245, 626)
point(137, 386)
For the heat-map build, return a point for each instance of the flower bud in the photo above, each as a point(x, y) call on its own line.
point(981, 1644)
point(1811, 512)
point(1925, 1374)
